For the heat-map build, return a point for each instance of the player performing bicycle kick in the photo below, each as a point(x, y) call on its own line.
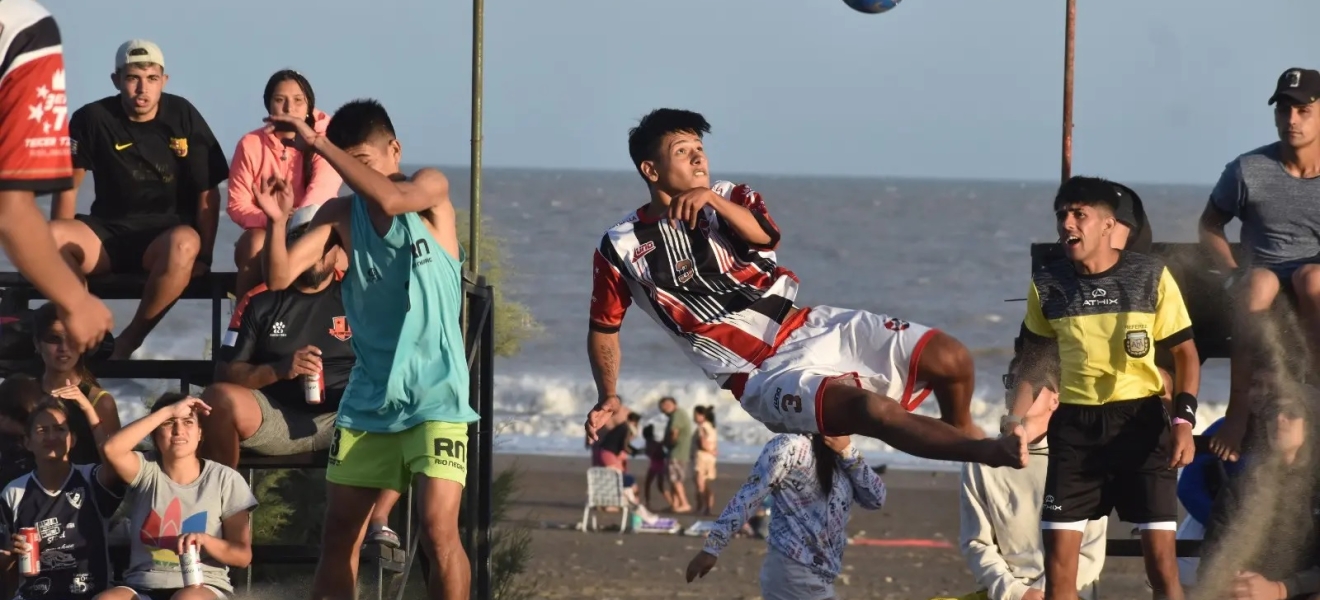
point(700, 260)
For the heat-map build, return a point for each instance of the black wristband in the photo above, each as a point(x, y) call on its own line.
point(1184, 407)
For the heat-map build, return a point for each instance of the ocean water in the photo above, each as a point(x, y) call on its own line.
point(945, 253)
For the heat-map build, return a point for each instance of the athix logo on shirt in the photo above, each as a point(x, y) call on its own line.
point(277, 330)
point(160, 534)
point(1099, 297)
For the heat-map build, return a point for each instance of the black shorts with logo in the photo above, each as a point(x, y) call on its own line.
point(1114, 456)
point(126, 239)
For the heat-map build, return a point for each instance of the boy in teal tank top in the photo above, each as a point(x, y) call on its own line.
point(405, 412)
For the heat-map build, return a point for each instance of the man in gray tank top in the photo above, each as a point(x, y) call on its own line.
point(1274, 191)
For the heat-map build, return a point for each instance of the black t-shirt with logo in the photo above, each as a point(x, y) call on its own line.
point(158, 167)
point(269, 326)
point(72, 524)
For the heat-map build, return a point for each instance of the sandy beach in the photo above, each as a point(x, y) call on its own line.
point(922, 510)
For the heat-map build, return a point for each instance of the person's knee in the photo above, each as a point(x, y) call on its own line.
point(225, 401)
point(442, 534)
point(1262, 287)
point(944, 358)
point(249, 246)
point(181, 247)
point(1306, 284)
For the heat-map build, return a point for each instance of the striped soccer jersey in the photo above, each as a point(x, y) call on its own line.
point(721, 299)
point(35, 150)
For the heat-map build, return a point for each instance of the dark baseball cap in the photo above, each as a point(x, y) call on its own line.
point(1301, 86)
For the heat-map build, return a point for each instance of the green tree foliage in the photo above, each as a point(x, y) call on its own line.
point(513, 321)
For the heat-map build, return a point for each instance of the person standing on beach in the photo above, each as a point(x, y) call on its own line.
point(700, 260)
point(1272, 191)
point(35, 158)
point(678, 450)
point(813, 481)
point(404, 416)
point(1096, 316)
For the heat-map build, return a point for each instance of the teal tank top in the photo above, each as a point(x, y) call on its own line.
point(402, 296)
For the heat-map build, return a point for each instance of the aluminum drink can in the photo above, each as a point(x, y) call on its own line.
point(191, 563)
point(313, 388)
point(30, 564)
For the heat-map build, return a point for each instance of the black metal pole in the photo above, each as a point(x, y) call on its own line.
point(486, 446)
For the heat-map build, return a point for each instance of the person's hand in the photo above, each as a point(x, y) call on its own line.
point(1010, 450)
point(1226, 443)
point(86, 323)
point(305, 361)
point(838, 443)
point(687, 206)
point(304, 136)
point(1033, 594)
point(71, 392)
point(193, 539)
point(701, 564)
point(274, 196)
point(1253, 586)
point(187, 407)
point(1181, 447)
point(600, 415)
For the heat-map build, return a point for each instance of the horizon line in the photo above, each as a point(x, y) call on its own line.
point(466, 170)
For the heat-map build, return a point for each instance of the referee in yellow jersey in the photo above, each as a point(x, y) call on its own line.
point(1098, 315)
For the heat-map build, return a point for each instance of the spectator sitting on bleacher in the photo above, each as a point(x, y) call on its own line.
point(1285, 566)
point(68, 503)
point(157, 172)
point(66, 376)
point(277, 339)
point(19, 395)
point(1000, 531)
point(179, 500)
point(1272, 190)
point(1198, 485)
point(259, 155)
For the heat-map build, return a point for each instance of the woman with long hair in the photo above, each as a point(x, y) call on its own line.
point(705, 447)
point(813, 481)
point(66, 376)
point(19, 396)
point(261, 155)
point(180, 502)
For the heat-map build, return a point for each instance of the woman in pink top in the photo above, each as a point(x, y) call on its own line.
point(260, 155)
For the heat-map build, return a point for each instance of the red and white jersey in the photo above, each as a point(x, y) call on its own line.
point(34, 134)
point(722, 299)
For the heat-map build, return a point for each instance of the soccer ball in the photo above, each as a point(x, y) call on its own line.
point(872, 6)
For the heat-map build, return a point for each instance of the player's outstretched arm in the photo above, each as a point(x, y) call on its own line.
point(27, 241)
point(605, 355)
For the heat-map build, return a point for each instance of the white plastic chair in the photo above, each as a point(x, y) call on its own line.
point(604, 490)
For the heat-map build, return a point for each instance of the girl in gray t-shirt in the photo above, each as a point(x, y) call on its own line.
point(178, 499)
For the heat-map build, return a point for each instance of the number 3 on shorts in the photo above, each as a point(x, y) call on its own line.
point(334, 443)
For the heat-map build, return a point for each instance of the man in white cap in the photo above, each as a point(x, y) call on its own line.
point(158, 168)
point(35, 159)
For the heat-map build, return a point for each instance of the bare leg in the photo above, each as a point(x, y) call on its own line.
point(235, 416)
point(1306, 284)
point(450, 577)
point(169, 263)
point(80, 247)
point(117, 593)
point(1256, 295)
point(946, 366)
point(849, 410)
point(1160, 552)
point(346, 513)
point(247, 261)
point(1062, 549)
point(384, 505)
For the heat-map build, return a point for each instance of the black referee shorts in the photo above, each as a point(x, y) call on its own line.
point(1114, 456)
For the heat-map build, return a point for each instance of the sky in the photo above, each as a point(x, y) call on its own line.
point(1167, 91)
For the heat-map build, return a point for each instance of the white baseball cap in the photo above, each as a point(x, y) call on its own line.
point(302, 217)
point(139, 51)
